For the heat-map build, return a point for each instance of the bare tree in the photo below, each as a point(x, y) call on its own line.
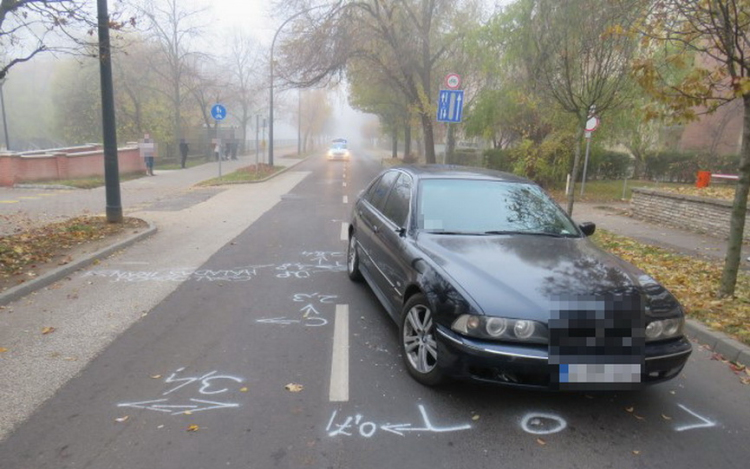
point(584, 59)
point(246, 81)
point(174, 28)
point(30, 27)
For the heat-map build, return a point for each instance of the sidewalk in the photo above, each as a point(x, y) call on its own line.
point(31, 205)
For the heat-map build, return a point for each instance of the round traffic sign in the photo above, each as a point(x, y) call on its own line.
point(453, 81)
point(218, 112)
point(592, 124)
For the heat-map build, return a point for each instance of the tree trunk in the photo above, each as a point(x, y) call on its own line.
point(576, 163)
point(429, 138)
point(407, 139)
point(739, 209)
point(394, 150)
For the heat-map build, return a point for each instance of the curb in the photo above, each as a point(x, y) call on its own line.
point(277, 173)
point(718, 342)
point(19, 291)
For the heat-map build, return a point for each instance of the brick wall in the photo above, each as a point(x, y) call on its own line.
point(704, 215)
point(64, 163)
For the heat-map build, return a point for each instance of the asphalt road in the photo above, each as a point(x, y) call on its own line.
point(242, 363)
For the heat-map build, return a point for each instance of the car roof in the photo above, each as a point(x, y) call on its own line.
point(441, 171)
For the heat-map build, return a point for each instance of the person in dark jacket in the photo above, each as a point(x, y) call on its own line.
point(184, 149)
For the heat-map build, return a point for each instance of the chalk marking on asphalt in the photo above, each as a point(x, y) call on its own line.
point(346, 199)
point(344, 231)
point(706, 423)
point(339, 386)
point(29, 198)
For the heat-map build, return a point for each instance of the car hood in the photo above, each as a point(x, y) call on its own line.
point(525, 275)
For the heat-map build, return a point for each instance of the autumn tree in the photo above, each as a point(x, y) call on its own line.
point(710, 41)
point(406, 40)
point(583, 58)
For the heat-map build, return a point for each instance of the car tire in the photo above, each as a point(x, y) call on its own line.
point(352, 259)
point(418, 342)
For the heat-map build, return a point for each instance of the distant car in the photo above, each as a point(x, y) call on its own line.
point(489, 280)
point(338, 150)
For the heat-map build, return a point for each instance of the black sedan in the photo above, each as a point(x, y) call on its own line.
point(489, 280)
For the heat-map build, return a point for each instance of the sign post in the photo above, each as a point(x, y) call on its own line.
point(591, 125)
point(219, 113)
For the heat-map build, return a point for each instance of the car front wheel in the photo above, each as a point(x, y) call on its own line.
point(418, 343)
point(352, 259)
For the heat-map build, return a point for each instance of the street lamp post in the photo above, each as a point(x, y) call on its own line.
point(5, 119)
point(270, 98)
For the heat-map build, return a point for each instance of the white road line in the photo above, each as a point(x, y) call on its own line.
point(346, 199)
point(344, 231)
point(339, 388)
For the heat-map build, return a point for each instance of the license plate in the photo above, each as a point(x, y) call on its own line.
point(600, 373)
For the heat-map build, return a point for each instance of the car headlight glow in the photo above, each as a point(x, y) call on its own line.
point(664, 329)
point(497, 328)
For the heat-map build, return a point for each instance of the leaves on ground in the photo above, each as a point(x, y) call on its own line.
point(693, 281)
point(292, 387)
point(48, 330)
point(3, 349)
point(24, 254)
point(193, 428)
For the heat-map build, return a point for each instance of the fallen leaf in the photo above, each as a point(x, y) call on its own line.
point(187, 412)
point(122, 419)
point(3, 349)
point(541, 442)
point(629, 409)
point(48, 330)
point(291, 387)
point(636, 452)
point(243, 389)
point(193, 428)
point(745, 380)
point(155, 376)
point(475, 418)
point(639, 417)
point(666, 417)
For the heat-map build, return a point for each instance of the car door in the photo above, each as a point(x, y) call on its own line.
point(370, 221)
point(390, 245)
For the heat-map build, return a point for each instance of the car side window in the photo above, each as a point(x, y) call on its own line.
point(397, 206)
point(379, 191)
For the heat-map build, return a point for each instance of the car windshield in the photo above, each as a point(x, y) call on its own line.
point(338, 146)
point(489, 207)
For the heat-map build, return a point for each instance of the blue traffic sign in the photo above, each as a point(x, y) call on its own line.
point(450, 105)
point(218, 112)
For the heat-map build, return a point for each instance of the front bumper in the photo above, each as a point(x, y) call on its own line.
point(529, 365)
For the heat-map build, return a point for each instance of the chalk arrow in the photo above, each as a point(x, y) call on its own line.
point(144, 405)
point(281, 320)
point(397, 428)
point(177, 409)
point(309, 309)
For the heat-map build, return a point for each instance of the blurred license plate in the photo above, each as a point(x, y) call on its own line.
point(600, 373)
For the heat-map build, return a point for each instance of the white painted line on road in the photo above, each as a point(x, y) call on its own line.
point(344, 231)
point(339, 388)
point(346, 199)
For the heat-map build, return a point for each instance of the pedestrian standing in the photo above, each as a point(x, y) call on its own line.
point(217, 150)
point(184, 149)
point(147, 149)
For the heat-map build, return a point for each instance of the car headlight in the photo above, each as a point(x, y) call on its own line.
point(497, 328)
point(662, 329)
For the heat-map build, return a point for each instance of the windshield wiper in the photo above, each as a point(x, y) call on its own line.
point(454, 233)
point(531, 233)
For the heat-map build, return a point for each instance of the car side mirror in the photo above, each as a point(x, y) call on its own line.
point(588, 228)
